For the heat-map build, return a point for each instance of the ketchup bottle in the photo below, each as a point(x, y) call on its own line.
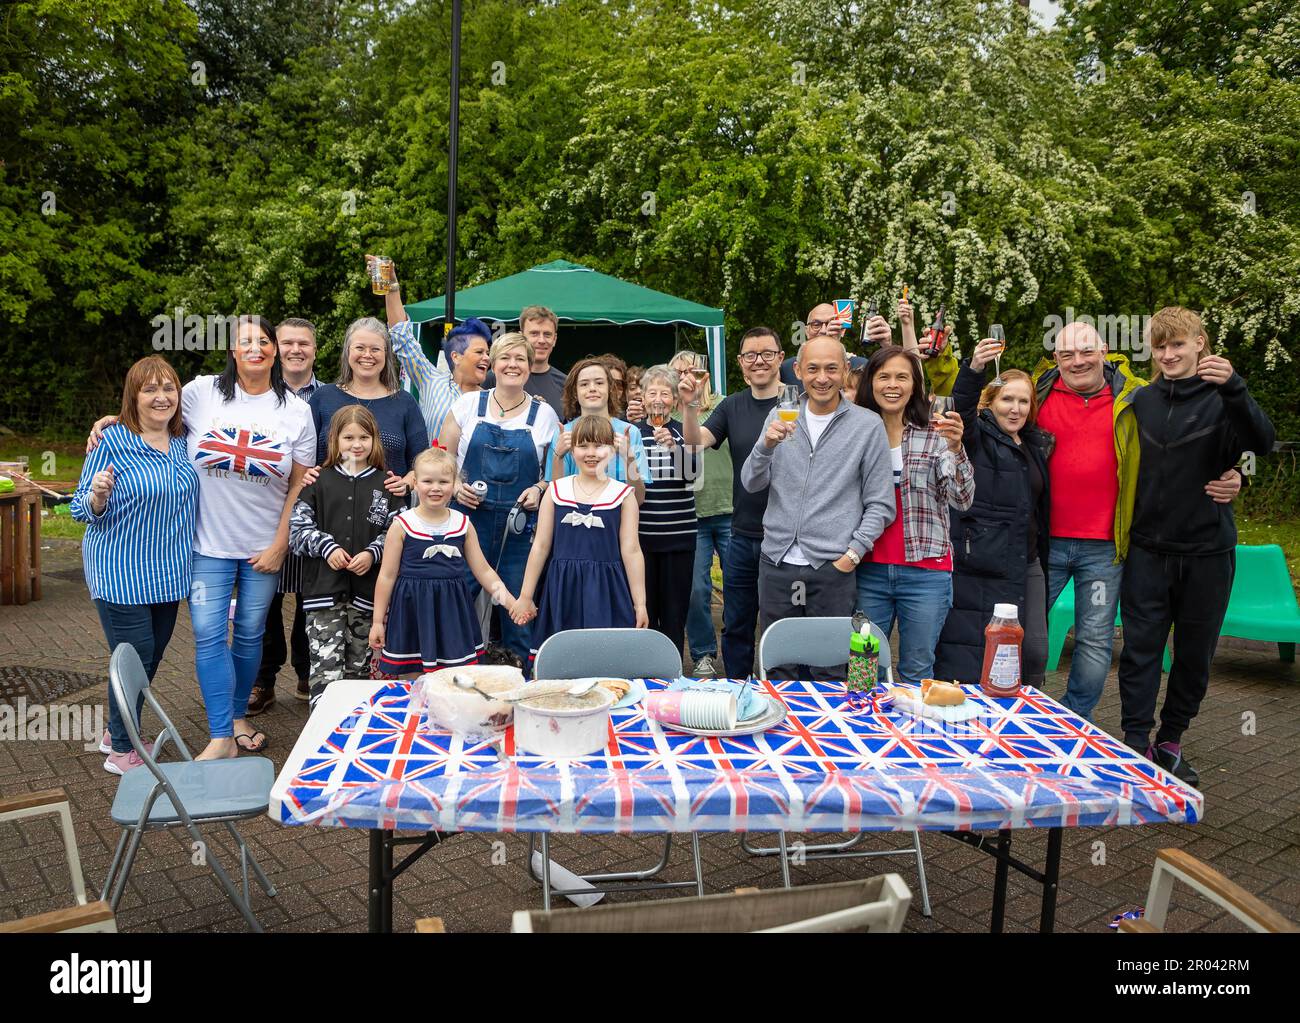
point(1003, 637)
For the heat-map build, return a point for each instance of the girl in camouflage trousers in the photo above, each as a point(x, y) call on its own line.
point(338, 525)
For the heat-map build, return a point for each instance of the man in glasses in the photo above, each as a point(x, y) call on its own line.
point(740, 418)
point(822, 323)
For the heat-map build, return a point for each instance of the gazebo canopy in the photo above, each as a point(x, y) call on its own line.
point(572, 292)
point(580, 295)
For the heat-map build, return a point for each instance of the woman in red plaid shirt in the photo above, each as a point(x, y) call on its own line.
point(908, 574)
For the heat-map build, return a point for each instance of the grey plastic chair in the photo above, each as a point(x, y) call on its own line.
point(823, 643)
point(621, 653)
point(184, 794)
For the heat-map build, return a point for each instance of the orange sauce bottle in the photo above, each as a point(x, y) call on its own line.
point(1003, 637)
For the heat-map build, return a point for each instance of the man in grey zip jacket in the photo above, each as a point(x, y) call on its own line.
point(831, 495)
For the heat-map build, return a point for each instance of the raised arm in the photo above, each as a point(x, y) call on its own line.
point(692, 432)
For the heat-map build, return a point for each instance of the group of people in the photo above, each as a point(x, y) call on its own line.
point(512, 501)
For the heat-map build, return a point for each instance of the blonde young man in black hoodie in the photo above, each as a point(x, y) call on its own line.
point(1195, 420)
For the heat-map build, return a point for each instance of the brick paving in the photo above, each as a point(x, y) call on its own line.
point(1251, 830)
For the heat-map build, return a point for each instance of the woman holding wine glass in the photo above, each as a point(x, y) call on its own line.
point(589, 391)
point(907, 575)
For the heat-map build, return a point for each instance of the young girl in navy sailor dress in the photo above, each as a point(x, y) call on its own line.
point(424, 617)
point(587, 528)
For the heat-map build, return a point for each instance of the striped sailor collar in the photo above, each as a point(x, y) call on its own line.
point(563, 492)
point(415, 524)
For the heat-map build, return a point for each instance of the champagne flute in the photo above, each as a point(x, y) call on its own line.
point(999, 335)
point(657, 414)
point(940, 406)
point(695, 365)
point(788, 408)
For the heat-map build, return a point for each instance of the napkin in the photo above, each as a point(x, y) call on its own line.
point(749, 703)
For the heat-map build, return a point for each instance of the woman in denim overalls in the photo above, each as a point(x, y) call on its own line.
point(506, 460)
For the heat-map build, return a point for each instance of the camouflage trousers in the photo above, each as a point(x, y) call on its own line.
point(339, 639)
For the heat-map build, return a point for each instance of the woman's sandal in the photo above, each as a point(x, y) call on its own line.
point(252, 747)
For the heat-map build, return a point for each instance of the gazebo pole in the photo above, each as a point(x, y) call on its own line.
point(449, 305)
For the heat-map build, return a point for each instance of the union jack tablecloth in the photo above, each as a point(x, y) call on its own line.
point(1025, 762)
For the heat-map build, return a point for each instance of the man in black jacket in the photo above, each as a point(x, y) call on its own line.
point(1195, 420)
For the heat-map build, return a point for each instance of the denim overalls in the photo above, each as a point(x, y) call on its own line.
point(506, 460)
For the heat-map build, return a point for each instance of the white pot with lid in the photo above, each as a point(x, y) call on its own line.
point(559, 725)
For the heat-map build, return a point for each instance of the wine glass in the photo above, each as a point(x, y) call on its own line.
point(940, 406)
point(788, 408)
point(999, 335)
point(657, 414)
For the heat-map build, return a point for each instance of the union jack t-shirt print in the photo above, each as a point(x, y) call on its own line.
point(242, 451)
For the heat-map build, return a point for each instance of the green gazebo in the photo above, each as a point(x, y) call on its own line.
point(597, 312)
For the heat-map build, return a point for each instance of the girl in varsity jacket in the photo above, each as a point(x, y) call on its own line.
point(338, 526)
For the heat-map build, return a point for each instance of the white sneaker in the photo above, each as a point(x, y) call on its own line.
point(706, 667)
point(106, 744)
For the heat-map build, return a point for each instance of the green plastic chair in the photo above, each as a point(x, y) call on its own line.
point(1263, 602)
point(1060, 622)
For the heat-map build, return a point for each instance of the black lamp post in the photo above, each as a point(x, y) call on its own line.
point(449, 306)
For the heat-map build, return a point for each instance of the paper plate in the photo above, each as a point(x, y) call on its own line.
point(634, 695)
point(907, 700)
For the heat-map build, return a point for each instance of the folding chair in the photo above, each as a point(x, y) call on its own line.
point(183, 794)
point(822, 643)
point(621, 653)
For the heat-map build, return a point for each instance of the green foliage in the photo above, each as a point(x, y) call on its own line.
point(761, 155)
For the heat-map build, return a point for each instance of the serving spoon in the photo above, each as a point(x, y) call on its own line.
point(527, 692)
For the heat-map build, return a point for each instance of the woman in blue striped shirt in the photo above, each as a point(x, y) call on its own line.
point(138, 495)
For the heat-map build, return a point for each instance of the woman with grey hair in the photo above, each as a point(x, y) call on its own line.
point(368, 376)
point(667, 525)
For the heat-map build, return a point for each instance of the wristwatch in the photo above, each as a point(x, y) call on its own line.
point(852, 555)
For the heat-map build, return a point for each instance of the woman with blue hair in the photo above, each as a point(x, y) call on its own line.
point(467, 351)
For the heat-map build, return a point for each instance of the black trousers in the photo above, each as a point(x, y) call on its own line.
point(273, 648)
point(800, 591)
point(668, 579)
point(1189, 593)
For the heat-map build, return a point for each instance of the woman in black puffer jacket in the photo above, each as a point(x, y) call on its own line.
point(1000, 543)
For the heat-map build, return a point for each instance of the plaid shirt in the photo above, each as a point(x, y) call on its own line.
point(438, 390)
point(933, 479)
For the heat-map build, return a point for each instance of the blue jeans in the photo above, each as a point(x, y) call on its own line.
point(919, 598)
point(1096, 596)
point(740, 603)
point(490, 523)
point(148, 628)
point(713, 534)
point(226, 670)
